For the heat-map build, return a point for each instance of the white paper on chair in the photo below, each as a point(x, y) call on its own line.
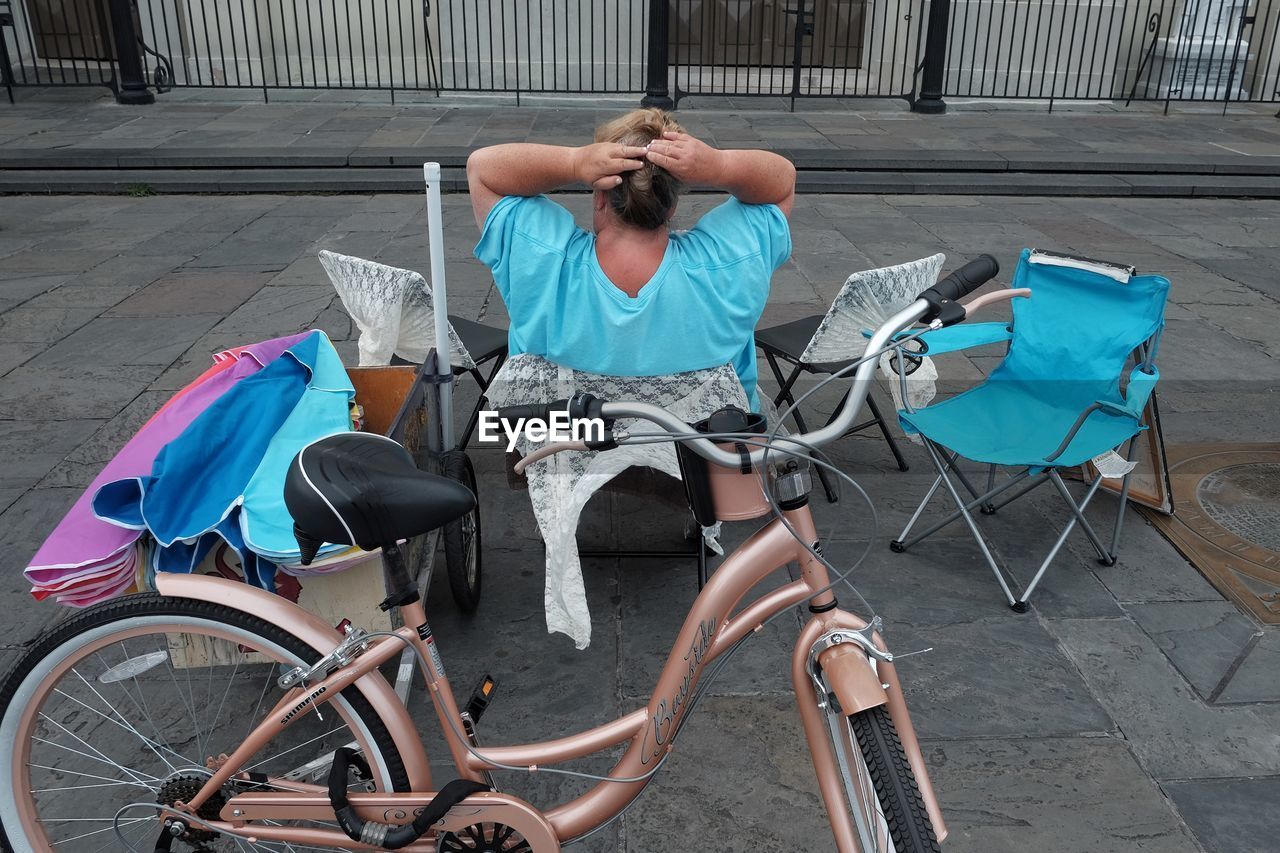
point(1112, 466)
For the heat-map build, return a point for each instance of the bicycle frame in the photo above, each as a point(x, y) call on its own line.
point(709, 630)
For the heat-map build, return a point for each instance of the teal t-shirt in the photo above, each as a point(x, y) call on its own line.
point(699, 310)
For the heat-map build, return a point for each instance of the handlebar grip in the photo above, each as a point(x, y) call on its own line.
point(968, 278)
point(539, 411)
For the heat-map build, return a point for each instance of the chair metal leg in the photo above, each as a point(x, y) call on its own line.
point(1021, 605)
point(964, 479)
point(471, 423)
point(784, 384)
point(884, 430)
point(973, 525)
point(961, 510)
point(989, 509)
point(1035, 482)
point(784, 395)
point(1079, 512)
point(896, 545)
point(1124, 503)
point(480, 402)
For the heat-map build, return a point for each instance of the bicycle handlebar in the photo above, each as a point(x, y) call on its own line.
point(862, 380)
point(580, 407)
point(943, 296)
point(541, 411)
point(937, 306)
point(968, 278)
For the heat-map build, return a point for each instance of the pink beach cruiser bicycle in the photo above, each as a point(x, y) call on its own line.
point(210, 715)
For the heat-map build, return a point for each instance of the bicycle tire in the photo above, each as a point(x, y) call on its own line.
point(895, 784)
point(56, 640)
point(464, 582)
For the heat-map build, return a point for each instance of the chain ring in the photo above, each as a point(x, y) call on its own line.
point(484, 838)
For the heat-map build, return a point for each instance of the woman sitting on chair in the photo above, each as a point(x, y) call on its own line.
point(631, 297)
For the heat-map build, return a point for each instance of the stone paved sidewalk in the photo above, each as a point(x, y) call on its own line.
point(1074, 134)
point(204, 120)
point(194, 142)
point(1095, 723)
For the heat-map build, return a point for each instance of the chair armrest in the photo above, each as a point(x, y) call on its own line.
point(1100, 405)
point(1117, 410)
point(1142, 384)
point(964, 336)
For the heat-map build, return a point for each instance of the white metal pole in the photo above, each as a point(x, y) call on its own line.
point(440, 298)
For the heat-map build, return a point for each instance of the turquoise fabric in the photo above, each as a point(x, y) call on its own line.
point(222, 479)
point(965, 336)
point(698, 311)
point(1069, 348)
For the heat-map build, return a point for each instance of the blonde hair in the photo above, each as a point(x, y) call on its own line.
point(646, 197)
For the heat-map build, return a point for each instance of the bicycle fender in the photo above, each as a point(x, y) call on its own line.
point(852, 677)
point(319, 635)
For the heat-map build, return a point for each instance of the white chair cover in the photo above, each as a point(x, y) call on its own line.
point(393, 309)
point(866, 301)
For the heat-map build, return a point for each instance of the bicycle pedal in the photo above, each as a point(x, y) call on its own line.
point(481, 697)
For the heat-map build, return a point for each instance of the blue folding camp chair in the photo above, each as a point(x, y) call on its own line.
point(1060, 398)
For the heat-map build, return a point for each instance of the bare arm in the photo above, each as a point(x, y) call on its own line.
point(751, 176)
point(527, 169)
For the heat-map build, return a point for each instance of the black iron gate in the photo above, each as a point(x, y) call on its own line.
point(1153, 50)
point(1148, 50)
point(795, 48)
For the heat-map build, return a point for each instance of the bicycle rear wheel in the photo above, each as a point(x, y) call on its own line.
point(882, 793)
point(125, 702)
point(461, 537)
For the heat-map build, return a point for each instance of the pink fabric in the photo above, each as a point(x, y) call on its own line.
point(85, 559)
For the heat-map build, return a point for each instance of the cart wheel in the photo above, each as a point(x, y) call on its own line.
point(462, 537)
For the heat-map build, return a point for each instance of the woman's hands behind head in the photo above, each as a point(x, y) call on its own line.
point(687, 158)
point(753, 177)
point(601, 164)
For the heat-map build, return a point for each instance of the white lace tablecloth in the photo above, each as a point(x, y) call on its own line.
point(561, 485)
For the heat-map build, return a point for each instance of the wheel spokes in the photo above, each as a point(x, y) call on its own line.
point(110, 727)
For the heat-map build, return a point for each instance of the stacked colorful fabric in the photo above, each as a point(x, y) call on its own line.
point(207, 468)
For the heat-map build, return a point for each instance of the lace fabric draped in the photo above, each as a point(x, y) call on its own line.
point(866, 301)
point(393, 308)
point(561, 485)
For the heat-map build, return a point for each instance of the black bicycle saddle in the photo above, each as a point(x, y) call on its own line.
point(357, 488)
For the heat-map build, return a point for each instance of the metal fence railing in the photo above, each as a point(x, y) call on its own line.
point(393, 45)
point(58, 43)
point(1161, 50)
point(576, 46)
point(801, 48)
point(286, 44)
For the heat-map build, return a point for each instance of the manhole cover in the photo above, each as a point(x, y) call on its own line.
point(1245, 499)
point(1228, 520)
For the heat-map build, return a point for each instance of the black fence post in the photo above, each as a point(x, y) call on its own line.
point(131, 80)
point(935, 60)
point(656, 92)
point(6, 66)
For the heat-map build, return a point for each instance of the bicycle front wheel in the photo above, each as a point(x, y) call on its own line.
point(128, 701)
point(882, 793)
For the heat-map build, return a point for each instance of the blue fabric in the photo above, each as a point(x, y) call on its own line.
point(1070, 344)
point(965, 336)
point(222, 479)
point(698, 311)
